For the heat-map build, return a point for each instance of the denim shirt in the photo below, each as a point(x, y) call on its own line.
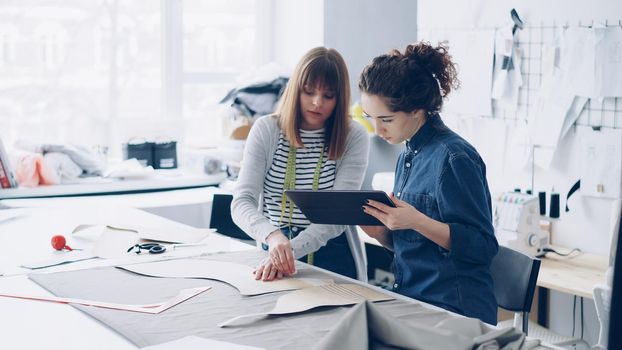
point(443, 176)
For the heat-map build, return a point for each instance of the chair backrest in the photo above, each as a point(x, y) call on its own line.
point(221, 218)
point(515, 275)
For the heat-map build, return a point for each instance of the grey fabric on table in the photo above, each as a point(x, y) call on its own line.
point(200, 315)
point(368, 326)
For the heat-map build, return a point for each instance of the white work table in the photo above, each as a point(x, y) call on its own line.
point(576, 274)
point(191, 206)
point(160, 180)
point(146, 200)
point(44, 325)
point(41, 325)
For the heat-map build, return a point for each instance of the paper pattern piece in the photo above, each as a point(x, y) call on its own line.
point(555, 112)
point(237, 275)
point(573, 114)
point(188, 235)
point(156, 308)
point(550, 112)
point(61, 258)
point(601, 173)
point(331, 294)
point(577, 61)
point(608, 61)
point(517, 152)
point(113, 243)
point(591, 61)
point(507, 73)
point(197, 343)
point(473, 52)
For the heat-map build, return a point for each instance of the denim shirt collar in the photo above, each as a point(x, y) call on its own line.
point(432, 126)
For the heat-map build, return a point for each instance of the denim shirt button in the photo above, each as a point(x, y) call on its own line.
point(416, 151)
point(294, 228)
point(408, 165)
point(396, 286)
point(399, 194)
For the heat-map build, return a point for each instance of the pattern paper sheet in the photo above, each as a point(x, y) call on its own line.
point(156, 308)
point(331, 294)
point(238, 275)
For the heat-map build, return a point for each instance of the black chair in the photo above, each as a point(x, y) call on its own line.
point(515, 276)
point(221, 219)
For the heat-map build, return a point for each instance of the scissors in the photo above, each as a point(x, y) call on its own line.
point(152, 248)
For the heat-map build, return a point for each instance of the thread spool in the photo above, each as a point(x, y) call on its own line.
point(542, 202)
point(554, 208)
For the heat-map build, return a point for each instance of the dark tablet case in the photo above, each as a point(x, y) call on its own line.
point(337, 207)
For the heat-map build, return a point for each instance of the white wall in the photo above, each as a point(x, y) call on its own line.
point(488, 13)
point(586, 225)
point(358, 29)
point(363, 29)
point(298, 27)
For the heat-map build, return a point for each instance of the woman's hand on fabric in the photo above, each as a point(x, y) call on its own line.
point(281, 253)
point(266, 271)
point(403, 216)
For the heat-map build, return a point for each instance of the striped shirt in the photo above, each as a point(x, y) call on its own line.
point(306, 162)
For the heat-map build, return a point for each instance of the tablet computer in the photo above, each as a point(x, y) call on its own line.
point(337, 207)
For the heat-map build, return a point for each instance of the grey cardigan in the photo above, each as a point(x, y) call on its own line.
point(246, 207)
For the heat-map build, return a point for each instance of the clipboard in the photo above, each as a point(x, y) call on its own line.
point(337, 207)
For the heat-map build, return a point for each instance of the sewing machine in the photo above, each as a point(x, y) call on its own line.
point(517, 224)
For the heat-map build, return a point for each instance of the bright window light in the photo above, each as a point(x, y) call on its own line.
point(100, 72)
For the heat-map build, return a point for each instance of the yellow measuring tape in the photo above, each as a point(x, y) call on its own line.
point(290, 184)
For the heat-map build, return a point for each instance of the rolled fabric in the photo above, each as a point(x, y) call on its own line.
point(32, 170)
point(62, 165)
point(82, 156)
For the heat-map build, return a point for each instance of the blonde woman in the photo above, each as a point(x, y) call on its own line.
point(310, 143)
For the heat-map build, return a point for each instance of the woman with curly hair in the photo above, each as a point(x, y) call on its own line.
point(441, 229)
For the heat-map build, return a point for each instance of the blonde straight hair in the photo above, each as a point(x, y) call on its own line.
point(325, 68)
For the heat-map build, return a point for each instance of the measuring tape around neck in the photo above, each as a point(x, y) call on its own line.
point(290, 184)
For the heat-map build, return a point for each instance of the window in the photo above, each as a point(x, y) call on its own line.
point(8, 39)
point(100, 72)
point(222, 41)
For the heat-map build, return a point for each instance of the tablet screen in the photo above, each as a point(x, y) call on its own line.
point(337, 207)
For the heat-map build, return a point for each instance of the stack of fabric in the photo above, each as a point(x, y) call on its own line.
point(50, 164)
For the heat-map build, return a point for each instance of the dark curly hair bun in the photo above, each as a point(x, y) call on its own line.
point(419, 78)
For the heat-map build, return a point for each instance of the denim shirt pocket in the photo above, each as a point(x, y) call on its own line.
point(426, 204)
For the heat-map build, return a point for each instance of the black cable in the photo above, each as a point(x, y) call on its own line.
point(581, 317)
point(551, 250)
point(574, 313)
